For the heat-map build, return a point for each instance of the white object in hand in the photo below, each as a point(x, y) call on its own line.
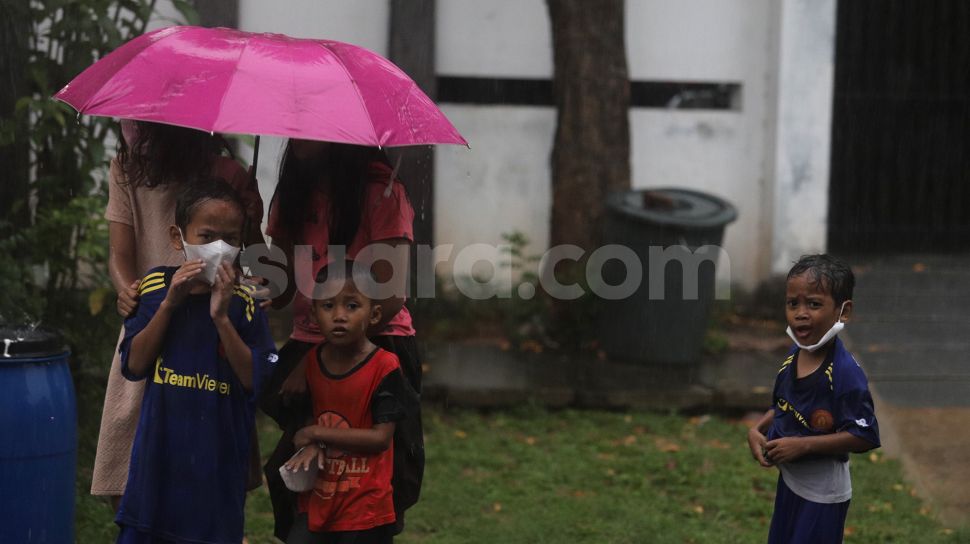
point(299, 480)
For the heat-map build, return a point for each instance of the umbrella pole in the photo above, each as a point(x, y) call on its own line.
point(255, 155)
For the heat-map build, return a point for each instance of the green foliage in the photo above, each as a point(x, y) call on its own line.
point(53, 238)
point(530, 475)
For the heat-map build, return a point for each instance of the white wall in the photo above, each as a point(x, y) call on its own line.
point(496, 38)
point(502, 183)
point(802, 131)
point(721, 152)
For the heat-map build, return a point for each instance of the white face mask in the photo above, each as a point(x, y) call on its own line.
point(211, 254)
point(830, 334)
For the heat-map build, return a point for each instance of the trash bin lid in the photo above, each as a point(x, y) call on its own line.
point(26, 342)
point(682, 208)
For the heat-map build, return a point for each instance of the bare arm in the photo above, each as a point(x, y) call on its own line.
point(764, 423)
point(147, 344)
point(121, 255)
point(783, 450)
point(238, 354)
point(757, 439)
point(121, 266)
point(373, 440)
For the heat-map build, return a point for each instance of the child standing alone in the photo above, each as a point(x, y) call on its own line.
point(356, 389)
point(822, 409)
point(204, 346)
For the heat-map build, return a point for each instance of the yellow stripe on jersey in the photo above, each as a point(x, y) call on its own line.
point(786, 362)
point(151, 288)
point(151, 280)
point(243, 295)
point(154, 275)
point(250, 304)
point(150, 283)
point(828, 372)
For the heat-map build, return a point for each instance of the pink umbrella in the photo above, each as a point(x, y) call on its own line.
point(229, 81)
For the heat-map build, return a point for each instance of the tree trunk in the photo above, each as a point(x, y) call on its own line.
point(412, 47)
point(15, 24)
point(214, 13)
point(591, 155)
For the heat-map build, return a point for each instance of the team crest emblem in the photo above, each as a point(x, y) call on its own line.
point(821, 420)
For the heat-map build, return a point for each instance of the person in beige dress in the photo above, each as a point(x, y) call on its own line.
point(153, 161)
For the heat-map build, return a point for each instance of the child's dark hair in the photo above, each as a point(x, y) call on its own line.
point(828, 274)
point(165, 154)
point(362, 277)
point(346, 167)
point(194, 193)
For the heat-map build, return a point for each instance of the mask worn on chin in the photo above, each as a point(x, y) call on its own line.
point(211, 254)
point(830, 334)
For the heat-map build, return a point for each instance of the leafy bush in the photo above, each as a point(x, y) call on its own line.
point(53, 238)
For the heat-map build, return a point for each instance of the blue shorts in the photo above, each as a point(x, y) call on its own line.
point(800, 521)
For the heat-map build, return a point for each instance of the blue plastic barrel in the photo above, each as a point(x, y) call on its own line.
point(38, 438)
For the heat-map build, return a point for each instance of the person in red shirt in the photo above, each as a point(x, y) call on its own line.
point(356, 391)
point(347, 196)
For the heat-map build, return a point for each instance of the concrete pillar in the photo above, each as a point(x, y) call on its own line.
point(798, 164)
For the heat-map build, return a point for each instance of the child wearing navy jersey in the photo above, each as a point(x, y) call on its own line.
point(204, 346)
point(822, 409)
point(358, 394)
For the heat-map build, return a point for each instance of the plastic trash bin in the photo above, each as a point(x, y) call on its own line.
point(657, 323)
point(38, 437)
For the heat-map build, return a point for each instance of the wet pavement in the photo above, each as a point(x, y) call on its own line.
point(911, 329)
point(911, 334)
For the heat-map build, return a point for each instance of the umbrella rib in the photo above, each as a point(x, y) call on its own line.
point(357, 91)
point(229, 85)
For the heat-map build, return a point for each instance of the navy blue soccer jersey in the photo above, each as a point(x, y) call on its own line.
point(190, 456)
point(832, 399)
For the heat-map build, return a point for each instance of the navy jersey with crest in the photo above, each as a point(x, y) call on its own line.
point(190, 458)
point(834, 398)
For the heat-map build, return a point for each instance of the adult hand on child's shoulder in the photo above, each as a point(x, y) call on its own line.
point(128, 299)
point(222, 289)
point(182, 281)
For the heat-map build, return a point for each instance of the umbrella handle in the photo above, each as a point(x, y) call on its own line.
point(390, 182)
point(255, 155)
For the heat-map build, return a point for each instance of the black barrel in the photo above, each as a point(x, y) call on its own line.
point(664, 320)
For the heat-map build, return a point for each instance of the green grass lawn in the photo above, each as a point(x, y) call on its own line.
point(532, 475)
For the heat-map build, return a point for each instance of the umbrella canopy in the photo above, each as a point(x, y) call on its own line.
point(230, 81)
